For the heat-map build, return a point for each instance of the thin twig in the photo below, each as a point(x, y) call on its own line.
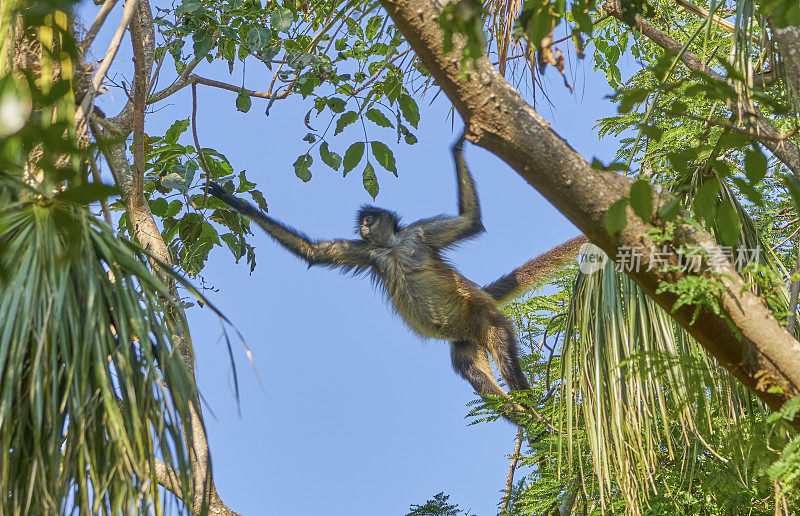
point(786, 239)
point(100, 74)
point(511, 468)
point(96, 24)
point(203, 163)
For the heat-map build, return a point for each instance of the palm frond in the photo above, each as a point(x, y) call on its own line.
point(92, 392)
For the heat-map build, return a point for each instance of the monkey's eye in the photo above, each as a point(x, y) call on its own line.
point(368, 220)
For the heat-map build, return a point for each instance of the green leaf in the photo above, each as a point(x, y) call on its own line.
point(175, 130)
point(191, 226)
point(790, 409)
point(370, 181)
point(372, 26)
point(732, 140)
point(670, 209)
point(281, 19)
point(352, 156)
point(243, 101)
point(753, 195)
point(203, 42)
point(331, 159)
point(301, 167)
point(383, 154)
point(260, 201)
point(728, 224)
point(244, 184)
point(345, 120)
point(581, 18)
point(705, 200)
point(616, 217)
point(755, 166)
point(336, 104)
point(641, 199)
point(234, 244)
point(378, 117)
point(258, 38)
point(410, 110)
point(632, 97)
point(189, 7)
point(159, 207)
point(173, 209)
point(793, 185)
point(87, 193)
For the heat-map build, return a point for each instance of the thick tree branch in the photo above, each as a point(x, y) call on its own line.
point(788, 41)
point(744, 337)
point(784, 150)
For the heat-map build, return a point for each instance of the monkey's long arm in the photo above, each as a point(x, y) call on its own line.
point(442, 231)
point(348, 253)
point(534, 271)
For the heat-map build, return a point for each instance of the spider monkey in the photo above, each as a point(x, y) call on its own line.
point(433, 298)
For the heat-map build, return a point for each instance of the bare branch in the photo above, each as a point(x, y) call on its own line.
point(196, 79)
point(100, 74)
point(703, 13)
point(179, 83)
point(511, 468)
point(96, 24)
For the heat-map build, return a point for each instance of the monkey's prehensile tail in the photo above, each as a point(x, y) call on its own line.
point(534, 271)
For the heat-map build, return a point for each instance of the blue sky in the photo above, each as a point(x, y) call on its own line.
point(354, 413)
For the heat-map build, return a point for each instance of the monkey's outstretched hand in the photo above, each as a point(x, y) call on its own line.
point(240, 205)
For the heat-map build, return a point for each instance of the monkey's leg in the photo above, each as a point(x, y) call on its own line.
point(471, 362)
point(501, 340)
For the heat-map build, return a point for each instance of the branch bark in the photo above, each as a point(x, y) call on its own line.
point(744, 336)
point(787, 40)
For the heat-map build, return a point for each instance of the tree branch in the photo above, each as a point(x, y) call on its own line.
point(703, 13)
point(788, 41)
point(96, 24)
point(511, 468)
point(743, 335)
point(784, 150)
point(100, 74)
point(130, 181)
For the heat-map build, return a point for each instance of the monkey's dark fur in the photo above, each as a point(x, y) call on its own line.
point(431, 296)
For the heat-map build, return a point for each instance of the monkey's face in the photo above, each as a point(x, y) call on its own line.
point(364, 226)
point(375, 225)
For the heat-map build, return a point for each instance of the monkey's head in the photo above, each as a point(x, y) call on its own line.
point(376, 225)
